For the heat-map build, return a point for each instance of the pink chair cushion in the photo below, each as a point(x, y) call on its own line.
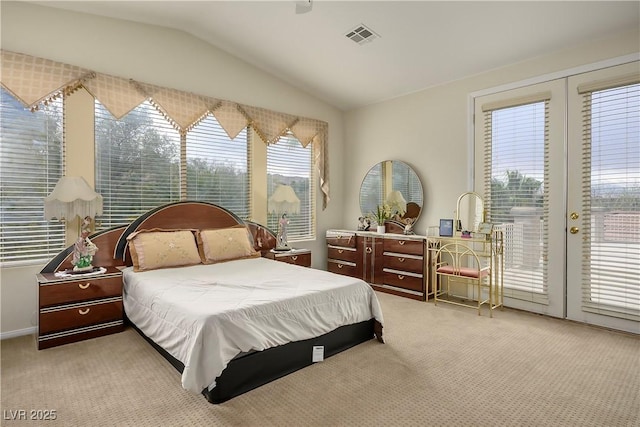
point(462, 271)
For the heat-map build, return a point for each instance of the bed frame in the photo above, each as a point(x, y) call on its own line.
point(247, 371)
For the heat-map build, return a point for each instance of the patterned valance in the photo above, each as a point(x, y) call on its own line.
point(34, 81)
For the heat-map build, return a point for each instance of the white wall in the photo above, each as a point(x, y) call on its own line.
point(163, 57)
point(429, 129)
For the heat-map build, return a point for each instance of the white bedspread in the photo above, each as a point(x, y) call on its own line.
point(205, 315)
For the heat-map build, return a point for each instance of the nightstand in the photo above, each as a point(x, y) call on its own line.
point(76, 308)
point(294, 256)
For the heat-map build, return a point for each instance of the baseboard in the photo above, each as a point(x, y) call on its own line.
point(17, 333)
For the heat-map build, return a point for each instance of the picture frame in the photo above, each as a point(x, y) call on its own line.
point(446, 228)
point(485, 228)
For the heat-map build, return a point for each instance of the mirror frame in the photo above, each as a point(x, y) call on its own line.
point(472, 204)
point(385, 166)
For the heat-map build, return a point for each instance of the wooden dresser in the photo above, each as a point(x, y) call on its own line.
point(391, 263)
point(76, 308)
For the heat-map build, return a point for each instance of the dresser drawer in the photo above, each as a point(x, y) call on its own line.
point(403, 280)
point(342, 253)
point(403, 262)
point(89, 288)
point(342, 267)
point(346, 240)
point(77, 315)
point(413, 247)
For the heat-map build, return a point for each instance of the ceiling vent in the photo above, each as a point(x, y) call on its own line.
point(361, 34)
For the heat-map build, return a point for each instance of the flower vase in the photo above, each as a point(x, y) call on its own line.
point(381, 229)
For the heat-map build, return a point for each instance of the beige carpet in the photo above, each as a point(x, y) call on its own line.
point(441, 366)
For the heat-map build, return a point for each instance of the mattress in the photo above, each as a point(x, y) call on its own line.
point(205, 315)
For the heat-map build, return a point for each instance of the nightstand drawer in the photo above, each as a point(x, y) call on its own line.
point(301, 259)
point(77, 315)
point(86, 289)
point(341, 253)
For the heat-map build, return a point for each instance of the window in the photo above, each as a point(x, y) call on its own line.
point(611, 201)
point(289, 163)
point(137, 163)
point(217, 167)
point(516, 162)
point(31, 163)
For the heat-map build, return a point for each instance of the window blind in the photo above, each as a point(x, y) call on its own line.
point(372, 189)
point(289, 163)
point(516, 193)
point(31, 163)
point(611, 201)
point(218, 168)
point(137, 163)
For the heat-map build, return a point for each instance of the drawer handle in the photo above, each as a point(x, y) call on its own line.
point(400, 276)
point(401, 259)
point(81, 286)
point(83, 312)
point(294, 257)
point(401, 242)
point(339, 265)
point(340, 251)
point(368, 250)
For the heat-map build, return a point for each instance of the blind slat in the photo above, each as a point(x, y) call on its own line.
point(30, 166)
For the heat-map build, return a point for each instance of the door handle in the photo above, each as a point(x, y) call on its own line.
point(574, 215)
point(574, 230)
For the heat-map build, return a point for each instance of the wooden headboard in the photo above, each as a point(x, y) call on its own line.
point(112, 244)
point(193, 215)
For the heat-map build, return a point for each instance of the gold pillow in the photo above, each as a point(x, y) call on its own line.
point(156, 248)
point(225, 244)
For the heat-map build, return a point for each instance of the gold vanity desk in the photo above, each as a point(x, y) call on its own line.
point(459, 281)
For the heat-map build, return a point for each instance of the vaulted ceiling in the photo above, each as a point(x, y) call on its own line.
point(416, 44)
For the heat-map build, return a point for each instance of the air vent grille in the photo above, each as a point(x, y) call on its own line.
point(361, 34)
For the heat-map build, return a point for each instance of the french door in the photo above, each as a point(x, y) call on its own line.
point(603, 198)
point(559, 166)
point(519, 169)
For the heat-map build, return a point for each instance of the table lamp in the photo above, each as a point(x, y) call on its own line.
point(283, 202)
point(73, 197)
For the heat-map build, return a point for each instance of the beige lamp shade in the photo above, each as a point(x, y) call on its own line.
point(284, 200)
point(71, 197)
point(397, 202)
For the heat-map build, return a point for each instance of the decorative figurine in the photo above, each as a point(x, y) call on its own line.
point(84, 249)
point(282, 243)
point(361, 223)
point(408, 226)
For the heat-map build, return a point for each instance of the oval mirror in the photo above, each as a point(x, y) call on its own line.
point(395, 183)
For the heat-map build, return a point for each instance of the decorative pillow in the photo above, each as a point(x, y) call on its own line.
point(157, 248)
point(225, 244)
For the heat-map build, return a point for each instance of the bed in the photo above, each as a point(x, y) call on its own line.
point(231, 325)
